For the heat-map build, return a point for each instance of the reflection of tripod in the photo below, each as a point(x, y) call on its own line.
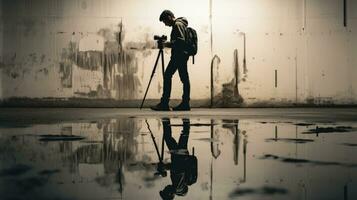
point(161, 165)
point(161, 53)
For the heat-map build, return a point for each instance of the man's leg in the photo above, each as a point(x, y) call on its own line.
point(170, 70)
point(184, 134)
point(182, 68)
point(164, 103)
point(170, 141)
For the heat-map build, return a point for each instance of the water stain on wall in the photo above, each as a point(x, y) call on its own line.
point(229, 95)
point(67, 56)
point(214, 77)
point(118, 64)
point(29, 27)
point(14, 66)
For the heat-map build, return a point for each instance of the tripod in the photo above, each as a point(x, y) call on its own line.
point(160, 54)
point(161, 165)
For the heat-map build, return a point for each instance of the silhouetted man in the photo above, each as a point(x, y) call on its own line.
point(178, 61)
point(183, 168)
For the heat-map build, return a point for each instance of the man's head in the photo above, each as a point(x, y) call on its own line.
point(167, 17)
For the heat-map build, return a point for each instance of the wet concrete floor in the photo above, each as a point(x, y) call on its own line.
point(201, 154)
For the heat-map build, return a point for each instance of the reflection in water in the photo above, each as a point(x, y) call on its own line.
point(183, 167)
point(124, 159)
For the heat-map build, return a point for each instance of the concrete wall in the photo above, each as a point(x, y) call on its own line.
point(72, 50)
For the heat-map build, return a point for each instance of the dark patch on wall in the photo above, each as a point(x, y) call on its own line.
point(14, 75)
point(119, 65)
point(14, 66)
point(214, 65)
point(43, 56)
point(43, 70)
point(321, 101)
point(229, 95)
point(90, 60)
point(87, 94)
point(66, 73)
point(100, 92)
point(142, 46)
point(236, 72)
point(33, 57)
point(29, 26)
point(227, 98)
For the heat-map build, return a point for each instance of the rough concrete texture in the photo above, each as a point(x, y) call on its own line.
point(105, 50)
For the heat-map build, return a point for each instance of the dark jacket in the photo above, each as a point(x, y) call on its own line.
point(178, 36)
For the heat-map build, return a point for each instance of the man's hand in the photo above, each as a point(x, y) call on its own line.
point(167, 44)
point(162, 44)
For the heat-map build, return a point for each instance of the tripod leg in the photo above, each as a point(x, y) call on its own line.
point(162, 64)
point(162, 148)
point(152, 75)
point(154, 141)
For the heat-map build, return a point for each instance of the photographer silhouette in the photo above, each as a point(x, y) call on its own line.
point(179, 57)
point(183, 168)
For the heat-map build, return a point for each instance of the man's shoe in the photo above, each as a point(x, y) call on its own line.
point(182, 107)
point(161, 107)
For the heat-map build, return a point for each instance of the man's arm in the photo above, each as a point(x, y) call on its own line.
point(177, 39)
point(167, 44)
point(178, 36)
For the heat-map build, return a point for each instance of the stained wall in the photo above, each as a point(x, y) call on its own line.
point(271, 52)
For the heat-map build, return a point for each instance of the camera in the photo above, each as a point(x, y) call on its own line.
point(160, 38)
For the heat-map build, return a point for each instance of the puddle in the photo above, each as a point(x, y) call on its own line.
point(15, 170)
point(337, 129)
point(289, 140)
point(350, 144)
point(266, 190)
point(312, 162)
point(178, 158)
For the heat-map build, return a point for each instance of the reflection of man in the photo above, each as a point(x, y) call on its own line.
point(183, 169)
point(178, 61)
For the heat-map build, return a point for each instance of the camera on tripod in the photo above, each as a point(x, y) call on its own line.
point(160, 38)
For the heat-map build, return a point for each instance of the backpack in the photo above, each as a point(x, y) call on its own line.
point(191, 170)
point(191, 42)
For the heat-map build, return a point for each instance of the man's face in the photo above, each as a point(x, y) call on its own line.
point(167, 21)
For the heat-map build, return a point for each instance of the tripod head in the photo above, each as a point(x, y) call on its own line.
point(160, 40)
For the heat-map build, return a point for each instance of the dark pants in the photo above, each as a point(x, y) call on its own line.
point(170, 141)
point(177, 62)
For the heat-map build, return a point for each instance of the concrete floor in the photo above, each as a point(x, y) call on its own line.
point(83, 153)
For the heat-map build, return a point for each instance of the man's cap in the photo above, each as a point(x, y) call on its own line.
point(165, 14)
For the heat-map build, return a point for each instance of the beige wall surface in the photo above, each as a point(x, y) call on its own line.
point(295, 51)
